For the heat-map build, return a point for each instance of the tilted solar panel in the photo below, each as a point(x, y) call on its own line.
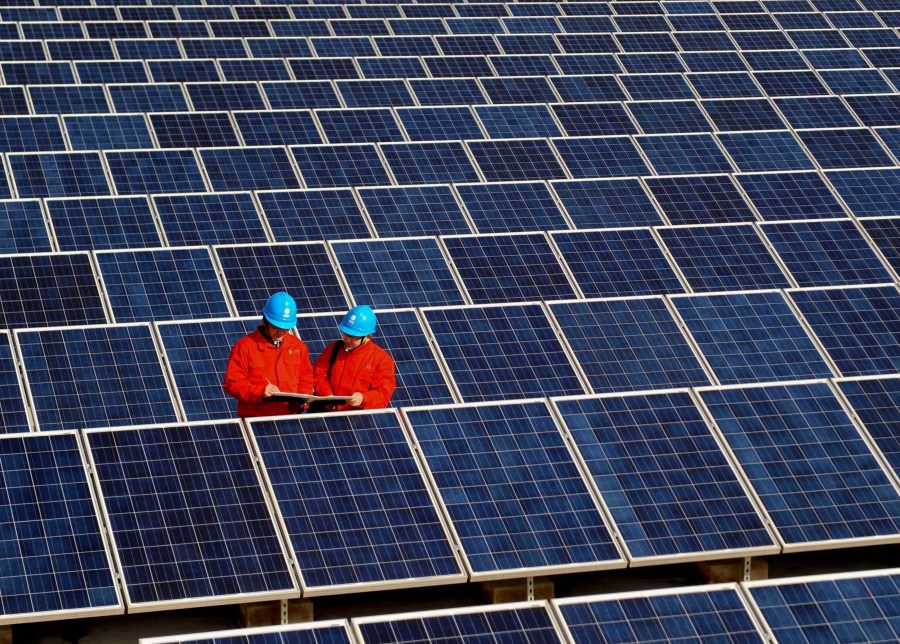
point(359, 125)
point(439, 123)
point(765, 151)
point(162, 284)
point(429, 162)
point(249, 168)
point(155, 171)
point(193, 129)
point(409, 211)
point(607, 203)
point(189, 520)
point(874, 401)
point(601, 157)
point(870, 192)
point(94, 376)
point(630, 344)
point(336, 166)
point(791, 195)
point(336, 481)
point(22, 227)
point(516, 160)
point(502, 352)
point(14, 418)
point(816, 477)
point(108, 132)
point(312, 215)
point(510, 121)
point(517, 502)
point(221, 218)
point(511, 207)
point(54, 556)
point(56, 174)
point(31, 134)
point(318, 632)
point(700, 199)
point(102, 223)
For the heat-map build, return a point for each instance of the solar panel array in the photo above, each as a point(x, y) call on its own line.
point(647, 235)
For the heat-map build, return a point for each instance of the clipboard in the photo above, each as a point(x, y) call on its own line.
point(307, 399)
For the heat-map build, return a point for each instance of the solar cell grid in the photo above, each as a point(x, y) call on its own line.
point(156, 97)
point(439, 123)
point(193, 130)
point(628, 345)
point(359, 125)
point(751, 337)
point(700, 199)
point(607, 203)
point(523, 65)
point(684, 153)
point(646, 87)
point(155, 171)
point(300, 94)
point(22, 228)
point(791, 195)
point(336, 481)
point(284, 127)
point(765, 151)
point(94, 376)
point(502, 352)
point(429, 162)
point(211, 96)
point(54, 558)
point(257, 69)
point(731, 115)
point(102, 223)
point(407, 67)
point(875, 403)
point(333, 166)
point(885, 232)
point(188, 515)
point(512, 121)
point(12, 397)
point(31, 134)
point(511, 207)
point(209, 219)
point(807, 462)
point(669, 117)
point(323, 68)
point(600, 157)
point(249, 168)
point(597, 87)
point(56, 174)
point(589, 119)
point(120, 71)
point(375, 93)
point(414, 210)
point(311, 215)
point(844, 148)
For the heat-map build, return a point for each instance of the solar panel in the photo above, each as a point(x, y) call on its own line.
point(512, 267)
point(318, 632)
point(607, 203)
point(447, 91)
point(509, 121)
point(22, 227)
point(295, 127)
point(189, 520)
point(30, 134)
point(716, 612)
point(597, 87)
point(375, 93)
point(55, 559)
point(253, 272)
point(94, 376)
point(288, 95)
point(529, 622)
point(517, 502)
point(765, 151)
point(26, 280)
point(683, 153)
point(743, 114)
point(850, 607)
point(214, 96)
point(14, 418)
point(844, 148)
point(648, 87)
point(336, 166)
point(511, 207)
point(700, 199)
point(732, 85)
point(101, 223)
point(183, 71)
point(868, 193)
point(667, 117)
point(56, 174)
point(155, 171)
point(826, 252)
point(502, 352)
point(193, 129)
point(359, 125)
point(820, 111)
point(162, 284)
point(156, 97)
point(594, 119)
point(729, 257)
point(429, 162)
point(222, 218)
point(816, 477)
point(601, 157)
point(516, 90)
point(249, 168)
point(751, 337)
point(336, 481)
point(392, 67)
point(312, 215)
point(642, 453)
point(409, 211)
point(108, 132)
point(791, 195)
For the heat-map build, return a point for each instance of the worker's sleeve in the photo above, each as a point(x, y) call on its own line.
point(305, 381)
point(321, 386)
point(384, 382)
point(237, 377)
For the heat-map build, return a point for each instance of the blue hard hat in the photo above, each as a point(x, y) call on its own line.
point(359, 322)
point(281, 311)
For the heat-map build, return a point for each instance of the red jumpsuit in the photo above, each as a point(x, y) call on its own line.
point(255, 361)
point(368, 369)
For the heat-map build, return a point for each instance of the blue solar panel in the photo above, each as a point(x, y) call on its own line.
point(576, 88)
point(645, 87)
point(751, 337)
point(336, 480)
point(406, 46)
point(246, 168)
point(644, 454)
point(157, 97)
point(826, 252)
point(54, 557)
point(162, 284)
point(420, 380)
point(539, 64)
point(511, 207)
point(607, 203)
point(885, 232)
point(594, 119)
point(56, 174)
point(14, 417)
point(155, 171)
point(196, 354)
point(277, 128)
point(108, 132)
point(439, 123)
point(448, 91)
point(765, 151)
point(38, 73)
point(716, 614)
point(808, 463)
point(875, 402)
point(209, 219)
point(509, 121)
point(183, 71)
point(684, 153)
point(49, 290)
point(857, 326)
point(713, 84)
point(743, 114)
point(511, 488)
point(31, 134)
point(601, 157)
point(119, 71)
point(628, 345)
point(868, 193)
point(335, 166)
point(667, 117)
point(822, 111)
point(393, 67)
point(102, 223)
point(621, 262)
point(700, 199)
point(312, 215)
point(193, 130)
point(791, 195)
point(723, 258)
point(508, 268)
point(374, 93)
point(415, 210)
point(300, 94)
point(844, 148)
point(410, 271)
point(323, 68)
point(502, 352)
point(359, 125)
point(513, 89)
point(853, 607)
point(254, 70)
point(95, 376)
point(529, 623)
point(207, 97)
point(441, 162)
point(22, 227)
point(188, 516)
point(304, 270)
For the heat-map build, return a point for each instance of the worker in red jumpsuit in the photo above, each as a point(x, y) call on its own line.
point(355, 366)
point(269, 360)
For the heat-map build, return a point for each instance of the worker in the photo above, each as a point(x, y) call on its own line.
point(355, 366)
point(269, 360)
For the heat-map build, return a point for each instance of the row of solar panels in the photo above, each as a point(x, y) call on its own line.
point(132, 374)
point(857, 607)
point(201, 514)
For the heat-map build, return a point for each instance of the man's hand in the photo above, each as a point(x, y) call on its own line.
point(270, 390)
point(356, 399)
